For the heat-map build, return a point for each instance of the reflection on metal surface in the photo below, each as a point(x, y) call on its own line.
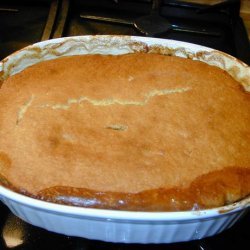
point(62, 17)
point(13, 231)
point(8, 10)
point(47, 33)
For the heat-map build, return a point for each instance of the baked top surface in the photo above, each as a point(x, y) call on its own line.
point(125, 124)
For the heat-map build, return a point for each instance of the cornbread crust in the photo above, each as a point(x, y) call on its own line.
point(126, 132)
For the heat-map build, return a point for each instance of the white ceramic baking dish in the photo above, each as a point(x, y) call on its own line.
point(123, 226)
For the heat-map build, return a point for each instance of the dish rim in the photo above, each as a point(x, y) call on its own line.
point(122, 214)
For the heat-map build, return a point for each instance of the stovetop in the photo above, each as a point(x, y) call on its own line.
point(26, 22)
point(218, 26)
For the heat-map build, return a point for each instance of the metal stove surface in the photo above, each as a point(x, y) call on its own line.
point(218, 26)
point(26, 22)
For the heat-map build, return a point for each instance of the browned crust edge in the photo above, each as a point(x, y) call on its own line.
point(210, 190)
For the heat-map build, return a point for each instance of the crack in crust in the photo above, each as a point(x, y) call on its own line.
point(119, 127)
point(102, 102)
point(23, 109)
point(107, 102)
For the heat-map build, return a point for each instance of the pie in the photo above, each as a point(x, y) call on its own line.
point(139, 131)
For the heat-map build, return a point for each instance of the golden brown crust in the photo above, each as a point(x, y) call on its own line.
point(210, 190)
point(215, 189)
point(126, 132)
